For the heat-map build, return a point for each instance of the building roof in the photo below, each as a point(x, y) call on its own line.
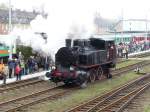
point(132, 25)
point(18, 16)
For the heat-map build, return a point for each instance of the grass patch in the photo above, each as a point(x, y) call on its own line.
point(147, 108)
point(127, 63)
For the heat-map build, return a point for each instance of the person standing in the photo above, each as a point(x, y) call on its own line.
point(2, 73)
point(11, 66)
point(17, 72)
point(126, 52)
point(30, 64)
point(26, 68)
point(22, 65)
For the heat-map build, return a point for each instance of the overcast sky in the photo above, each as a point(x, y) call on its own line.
point(64, 14)
point(107, 8)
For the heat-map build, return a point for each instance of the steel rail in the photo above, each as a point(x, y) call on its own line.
point(114, 106)
point(22, 84)
point(27, 97)
point(55, 96)
point(17, 82)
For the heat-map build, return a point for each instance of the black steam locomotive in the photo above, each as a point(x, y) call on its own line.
point(84, 60)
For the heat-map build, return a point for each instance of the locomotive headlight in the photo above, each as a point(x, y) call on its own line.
point(72, 68)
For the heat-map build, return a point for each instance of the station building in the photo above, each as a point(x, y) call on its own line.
point(131, 33)
point(125, 31)
point(132, 30)
point(19, 20)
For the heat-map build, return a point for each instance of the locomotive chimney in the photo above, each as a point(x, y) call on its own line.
point(68, 42)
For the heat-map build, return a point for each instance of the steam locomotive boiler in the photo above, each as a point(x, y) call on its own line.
point(84, 60)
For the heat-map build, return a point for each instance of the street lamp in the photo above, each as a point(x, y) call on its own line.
point(10, 26)
point(10, 16)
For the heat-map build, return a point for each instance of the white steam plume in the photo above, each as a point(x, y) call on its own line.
point(63, 18)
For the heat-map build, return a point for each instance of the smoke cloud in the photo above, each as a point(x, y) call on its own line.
point(64, 18)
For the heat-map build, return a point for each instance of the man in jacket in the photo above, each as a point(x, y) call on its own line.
point(11, 66)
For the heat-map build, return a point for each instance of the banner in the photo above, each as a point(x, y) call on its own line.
point(5, 42)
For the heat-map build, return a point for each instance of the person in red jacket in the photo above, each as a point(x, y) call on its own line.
point(17, 72)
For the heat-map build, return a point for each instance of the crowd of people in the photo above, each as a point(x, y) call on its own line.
point(18, 67)
point(123, 49)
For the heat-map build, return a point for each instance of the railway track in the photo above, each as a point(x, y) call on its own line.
point(20, 84)
point(129, 68)
point(50, 93)
point(139, 103)
point(115, 100)
point(34, 98)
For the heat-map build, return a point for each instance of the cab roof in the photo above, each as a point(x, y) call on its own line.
point(102, 37)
